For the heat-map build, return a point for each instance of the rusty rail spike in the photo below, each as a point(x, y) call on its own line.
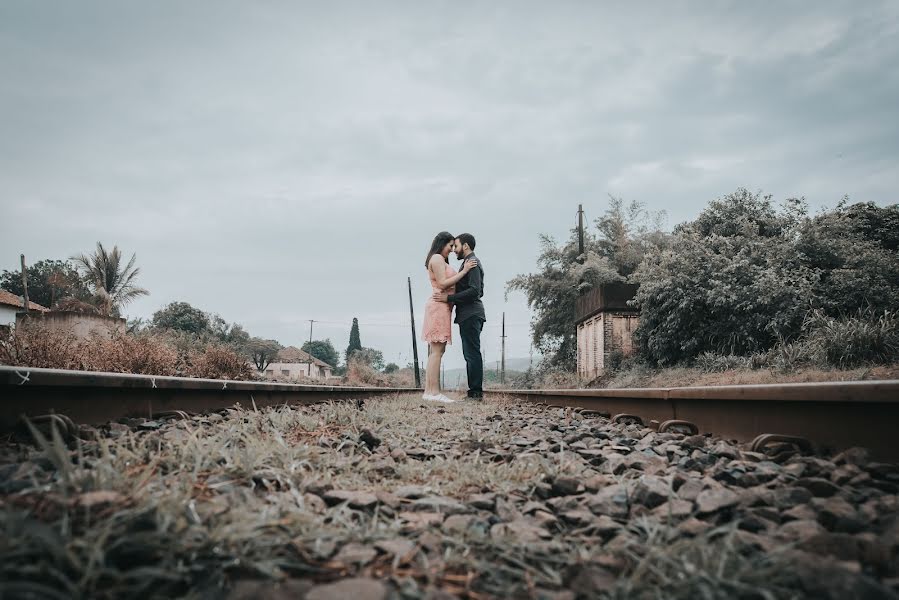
point(679, 424)
point(67, 426)
point(627, 418)
point(759, 443)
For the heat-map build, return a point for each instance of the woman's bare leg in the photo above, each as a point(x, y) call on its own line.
point(432, 374)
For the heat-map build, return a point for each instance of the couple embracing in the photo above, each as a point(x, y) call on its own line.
point(462, 290)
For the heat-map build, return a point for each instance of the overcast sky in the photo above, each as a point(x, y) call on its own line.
point(276, 162)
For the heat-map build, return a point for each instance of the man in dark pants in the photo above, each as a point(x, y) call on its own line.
point(469, 314)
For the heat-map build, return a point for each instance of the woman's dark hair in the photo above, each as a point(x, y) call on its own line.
point(440, 240)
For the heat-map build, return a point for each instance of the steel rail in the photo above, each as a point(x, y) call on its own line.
point(831, 415)
point(90, 397)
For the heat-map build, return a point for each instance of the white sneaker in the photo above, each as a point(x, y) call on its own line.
point(428, 397)
point(442, 398)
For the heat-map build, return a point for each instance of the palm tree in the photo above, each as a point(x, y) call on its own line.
point(113, 286)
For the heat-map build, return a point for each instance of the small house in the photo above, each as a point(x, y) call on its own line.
point(605, 325)
point(293, 363)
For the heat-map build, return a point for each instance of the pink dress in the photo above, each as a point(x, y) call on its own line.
point(438, 325)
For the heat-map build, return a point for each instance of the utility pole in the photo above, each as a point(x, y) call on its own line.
point(24, 284)
point(311, 321)
point(580, 229)
point(502, 377)
point(414, 341)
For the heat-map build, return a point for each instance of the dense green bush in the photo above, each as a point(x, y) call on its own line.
point(730, 284)
point(849, 341)
point(741, 278)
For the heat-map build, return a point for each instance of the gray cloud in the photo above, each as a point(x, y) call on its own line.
point(281, 162)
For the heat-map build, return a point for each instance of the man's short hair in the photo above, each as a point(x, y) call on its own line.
point(466, 238)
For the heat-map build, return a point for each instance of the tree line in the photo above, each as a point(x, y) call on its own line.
point(746, 276)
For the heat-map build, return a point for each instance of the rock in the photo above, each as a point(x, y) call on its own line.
point(458, 523)
point(314, 503)
point(852, 456)
point(567, 486)
point(440, 504)
point(606, 527)
point(482, 501)
point(399, 455)
point(397, 547)
point(412, 492)
point(611, 501)
point(788, 497)
point(819, 487)
point(838, 515)
point(710, 501)
point(99, 498)
point(252, 589)
point(369, 439)
point(522, 531)
point(651, 491)
point(690, 489)
point(420, 520)
point(358, 588)
point(800, 512)
point(597, 482)
point(387, 499)
point(353, 499)
point(724, 450)
point(797, 531)
point(356, 554)
point(589, 581)
point(694, 441)
point(117, 429)
point(674, 508)
point(545, 519)
point(693, 527)
point(506, 510)
point(579, 517)
point(844, 474)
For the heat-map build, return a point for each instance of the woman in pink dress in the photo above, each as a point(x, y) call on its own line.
point(438, 322)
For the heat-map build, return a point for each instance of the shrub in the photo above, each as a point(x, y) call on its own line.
point(219, 362)
point(850, 341)
point(709, 362)
point(146, 354)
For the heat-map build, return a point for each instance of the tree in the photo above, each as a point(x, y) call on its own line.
point(624, 235)
point(182, 317)
point(355, 342)
point(111, 283)
point(322, 350)
point(391, 368)
point(731, 283)
point(853, 252)
point(262, 352)
point(369, 356)
point(49, 281)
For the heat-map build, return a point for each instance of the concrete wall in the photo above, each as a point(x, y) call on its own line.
point(292, 370)
point(80, 324)
point(601, 335)
point(8, 314)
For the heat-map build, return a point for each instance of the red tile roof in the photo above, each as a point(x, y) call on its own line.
point(292, 354)
point(10, 299)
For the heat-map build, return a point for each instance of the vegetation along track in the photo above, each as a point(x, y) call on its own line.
point(400, 498)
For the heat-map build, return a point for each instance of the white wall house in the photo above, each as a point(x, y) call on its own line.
point(294, 364)
point(10, 304)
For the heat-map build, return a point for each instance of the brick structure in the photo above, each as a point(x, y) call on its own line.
point(605, 325)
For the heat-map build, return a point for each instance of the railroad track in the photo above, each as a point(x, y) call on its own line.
point(830, 415)
point(89, 397)
point(825, 415)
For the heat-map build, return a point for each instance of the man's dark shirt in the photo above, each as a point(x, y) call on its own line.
point(469, 291)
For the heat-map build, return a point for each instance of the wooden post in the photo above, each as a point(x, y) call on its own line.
point(580, 229)
point(414, 341)
point(24, 284)
point(502, 377)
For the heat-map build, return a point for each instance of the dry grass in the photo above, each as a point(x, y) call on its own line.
point(687, 376)
point(36, 346)
point(187, 509)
